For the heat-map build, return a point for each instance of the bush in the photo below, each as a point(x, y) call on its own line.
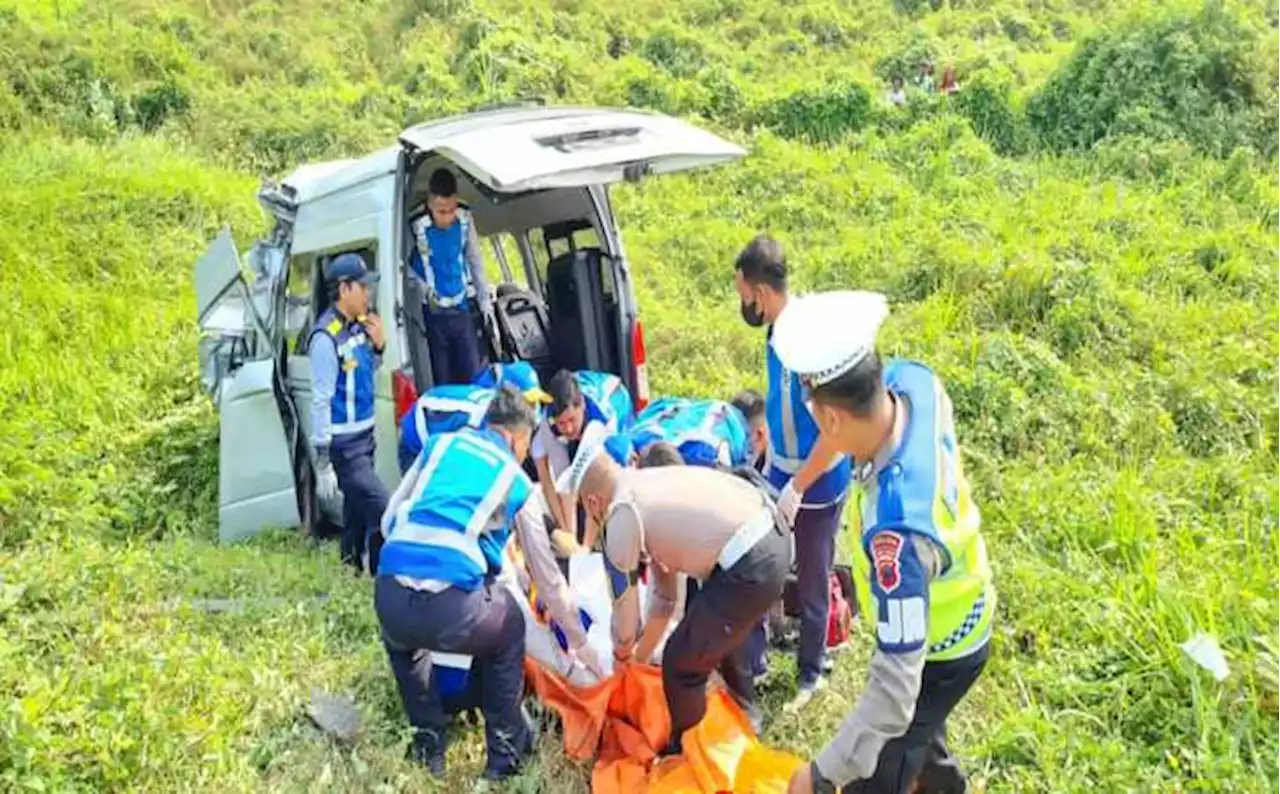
point(821, 115)
point(1191, 78)
point(679, 54)
point(989, 111)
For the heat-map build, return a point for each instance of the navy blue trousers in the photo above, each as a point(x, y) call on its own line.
point(364, 497)
point(454, 344)
point(815, 534)
point(485, 624)
point(919, 760)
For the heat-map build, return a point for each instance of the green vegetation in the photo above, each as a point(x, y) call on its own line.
point(1082, 241)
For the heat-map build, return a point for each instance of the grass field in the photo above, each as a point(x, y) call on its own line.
point(1082, 241)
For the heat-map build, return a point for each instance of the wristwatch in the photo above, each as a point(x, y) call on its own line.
point(820, 784)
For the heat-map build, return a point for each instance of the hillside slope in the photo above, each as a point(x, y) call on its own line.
point(1082, 242)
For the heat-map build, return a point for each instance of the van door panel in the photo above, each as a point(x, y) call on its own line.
point(255, 467)
point(238, 363)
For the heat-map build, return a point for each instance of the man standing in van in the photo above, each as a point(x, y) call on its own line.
point(446, 259)
point(810, 473)
point(345, 349)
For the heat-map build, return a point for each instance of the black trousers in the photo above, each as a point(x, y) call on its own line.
point(454, 345)
point(713, 632)
point(919, 761)
point(364, 497)
point(485, 624)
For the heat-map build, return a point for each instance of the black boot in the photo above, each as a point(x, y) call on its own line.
point(427, 748)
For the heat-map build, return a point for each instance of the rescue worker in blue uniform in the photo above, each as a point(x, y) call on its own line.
point(345, 349)
point(437, 601)
point(446, 259)
point(578, 399)
point(706, 432)
point(446, 409)
point(920, 570)
point(812, 477)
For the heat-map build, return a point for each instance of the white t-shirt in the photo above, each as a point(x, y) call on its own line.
point(547, 445)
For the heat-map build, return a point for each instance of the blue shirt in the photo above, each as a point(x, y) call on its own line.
point(793, 432)
point(343, 363)
point(706, 432)
point(457, 520)
point(453, 259)
point(443, 409)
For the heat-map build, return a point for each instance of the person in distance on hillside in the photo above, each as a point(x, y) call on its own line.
point(447, 529)
point(918, 524)
point(446, 259)
point(706, 524)
point(579, 399)
point(345, 349)
point(812, 476)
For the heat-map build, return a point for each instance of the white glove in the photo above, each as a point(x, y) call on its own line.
point(326, 482)
point(587, 656)
point(789, 502)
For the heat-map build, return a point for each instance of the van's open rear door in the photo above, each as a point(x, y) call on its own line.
point(238, 367)
point(543, 148)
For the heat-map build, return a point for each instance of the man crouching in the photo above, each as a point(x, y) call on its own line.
point(701, 522)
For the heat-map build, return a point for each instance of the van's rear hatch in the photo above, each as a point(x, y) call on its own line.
point(513, 151)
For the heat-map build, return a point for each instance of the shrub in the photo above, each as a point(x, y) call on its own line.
point(988, 108)
point(679, 54)
point(1191, 78)
point(820, 115)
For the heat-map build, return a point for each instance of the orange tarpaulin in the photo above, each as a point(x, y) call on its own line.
point(623, 722)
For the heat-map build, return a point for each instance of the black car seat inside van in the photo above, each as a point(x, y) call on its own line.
point(582, 328)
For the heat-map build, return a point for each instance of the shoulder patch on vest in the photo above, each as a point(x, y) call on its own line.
point(334, 327)
point(886, 555)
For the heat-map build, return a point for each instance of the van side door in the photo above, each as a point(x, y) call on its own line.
point(239, 313)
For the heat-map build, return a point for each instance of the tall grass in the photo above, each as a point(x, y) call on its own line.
point(1105, 318)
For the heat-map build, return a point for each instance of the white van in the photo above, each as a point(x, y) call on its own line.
point(536, 180)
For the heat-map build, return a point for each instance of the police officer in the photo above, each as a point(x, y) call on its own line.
point(447, 529)
point(578, 399)
point(810, 474)
point(706, 432)
point(684, 521)
point(921, 566)
point(447, 261)
point(445, 409)
point(345, 349)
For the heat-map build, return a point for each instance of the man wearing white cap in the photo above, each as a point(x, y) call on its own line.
point(701, 522)
point(922, 574)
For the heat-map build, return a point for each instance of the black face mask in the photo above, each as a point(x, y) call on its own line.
point(751, 314)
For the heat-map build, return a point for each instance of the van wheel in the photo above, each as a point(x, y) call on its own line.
point(304, 483)
point(312, 521)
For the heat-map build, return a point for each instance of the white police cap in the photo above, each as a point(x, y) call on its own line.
point(589, 446)
point(824, 335)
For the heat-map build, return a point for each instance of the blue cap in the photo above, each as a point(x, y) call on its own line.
point(350, 267)
point(524, 377)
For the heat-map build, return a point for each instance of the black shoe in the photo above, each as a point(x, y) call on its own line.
point(523, 753)
point(428, 750)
